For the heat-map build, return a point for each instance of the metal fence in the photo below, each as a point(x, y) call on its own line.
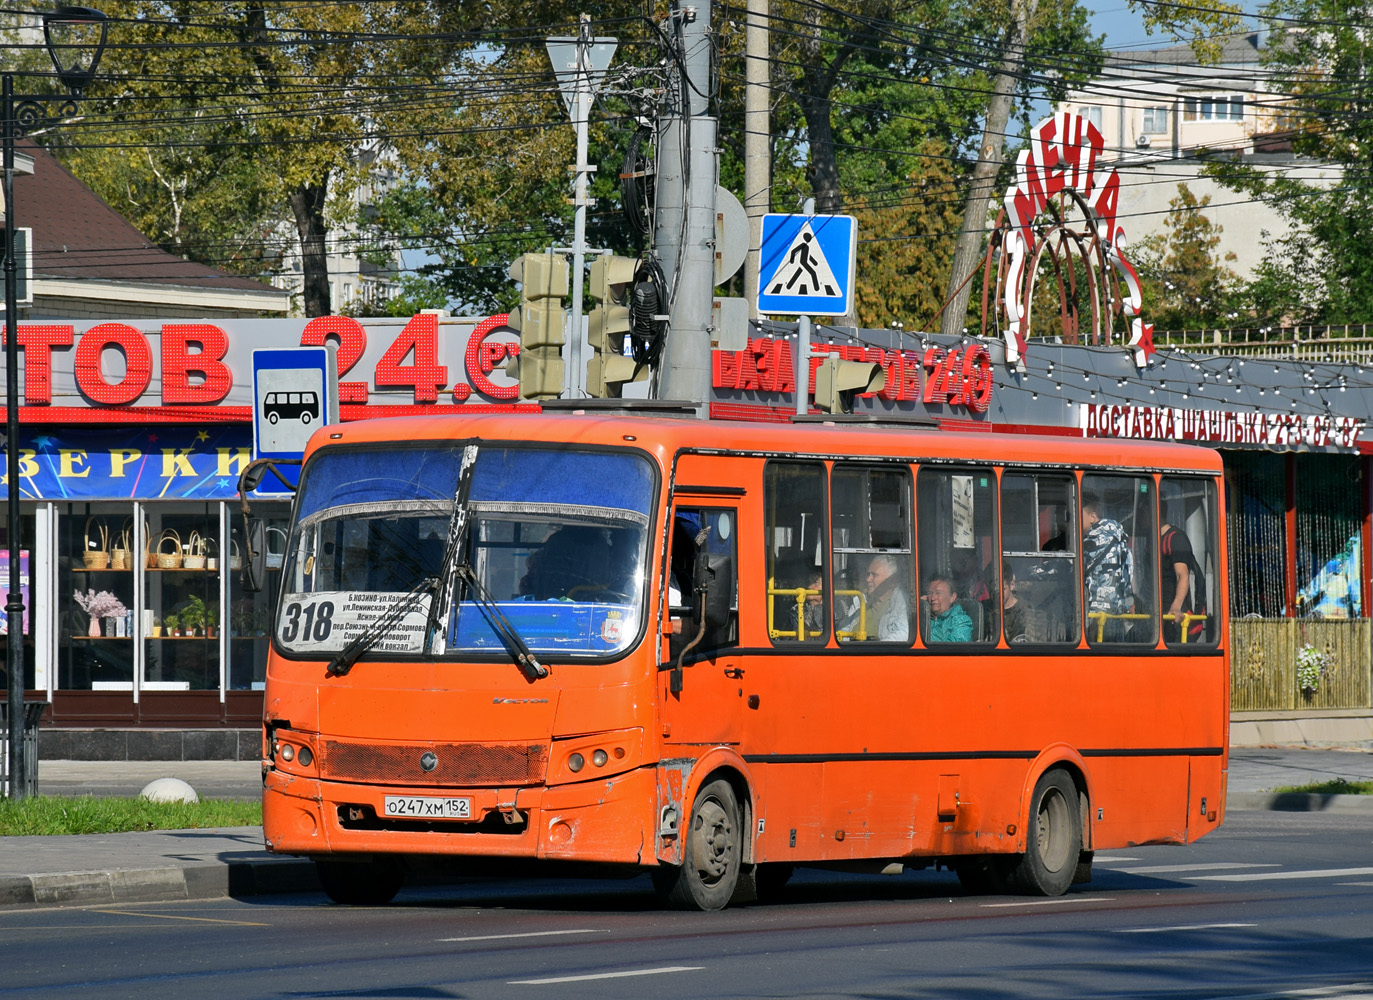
point(1349, 342)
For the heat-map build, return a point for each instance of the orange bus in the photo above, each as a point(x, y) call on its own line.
point(718, 651)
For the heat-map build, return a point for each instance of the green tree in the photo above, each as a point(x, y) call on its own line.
point(1320, 57)
point(1187, 286)
point(213, 121)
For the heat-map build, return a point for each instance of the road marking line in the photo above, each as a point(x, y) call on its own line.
point(1346, 992)
point(1103, 860)
point(165, 916)
point(606, 975)
point(1271, 876)
point(1181, 927)
point(1052, 902)
point(1355, 883)
point(531, 934)
point(1164, 869)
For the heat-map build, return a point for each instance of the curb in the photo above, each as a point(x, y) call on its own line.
point(1299, 802)
point(146, 885)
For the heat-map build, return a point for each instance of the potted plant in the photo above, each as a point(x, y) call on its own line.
point(211, 621)
point(193, 616)
point(172, 623)
point(157, 627)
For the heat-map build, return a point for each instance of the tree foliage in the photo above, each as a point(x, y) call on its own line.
point(1321, 56)
point(1187, 286)
point(213, 122)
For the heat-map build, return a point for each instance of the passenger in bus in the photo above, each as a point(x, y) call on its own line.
point(972, 582)
point(888, 617)
point(948, 621)
point(1177, 570)
point(813, 616)
point(1107, 570)
point(1012, 609)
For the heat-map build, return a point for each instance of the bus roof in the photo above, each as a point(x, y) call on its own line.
point(665, 437)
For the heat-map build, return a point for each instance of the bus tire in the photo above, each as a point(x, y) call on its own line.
point(711, 854)
point(365, 883)
point(1053, 838)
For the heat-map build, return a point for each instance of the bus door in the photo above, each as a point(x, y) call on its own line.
point(700, 675)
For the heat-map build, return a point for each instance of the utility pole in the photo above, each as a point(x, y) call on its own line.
point(684, 234)
point(757, 142)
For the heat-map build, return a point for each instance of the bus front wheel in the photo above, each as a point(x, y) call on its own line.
point(1053, 840)
point(360, 883)
point(711, 854)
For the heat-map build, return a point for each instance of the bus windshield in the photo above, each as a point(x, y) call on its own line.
point(555, 540)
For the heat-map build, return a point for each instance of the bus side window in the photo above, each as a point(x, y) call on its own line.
point(871, 540)
point(1188, 564)
point(798, 598)
point(959, 570)
point(704, 540)
point(1118, 559)
point(1039, 543)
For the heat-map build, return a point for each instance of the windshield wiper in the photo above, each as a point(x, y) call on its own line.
point(519, 649)
point(348, 655)
point(432, 585)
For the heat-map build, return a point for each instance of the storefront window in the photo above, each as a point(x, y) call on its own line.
point(1256, 500)
point(95, 559)
point(27, 552)
point(249, 624)
point(1329, 536)
point(182, 595)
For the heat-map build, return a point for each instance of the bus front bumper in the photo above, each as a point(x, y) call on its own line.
point(610, 819)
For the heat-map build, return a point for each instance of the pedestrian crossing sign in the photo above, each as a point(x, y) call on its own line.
point(806, 265)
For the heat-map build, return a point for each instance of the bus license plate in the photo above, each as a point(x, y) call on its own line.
point(427, 807)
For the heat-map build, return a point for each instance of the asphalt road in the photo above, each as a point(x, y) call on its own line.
point(1272, 903)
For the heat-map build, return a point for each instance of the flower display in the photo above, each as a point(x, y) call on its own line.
point(100, 604)
point(1311, 666)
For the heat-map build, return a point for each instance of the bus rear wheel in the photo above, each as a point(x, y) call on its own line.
point(360, 883)
point(1053, 839)
point(711, 854)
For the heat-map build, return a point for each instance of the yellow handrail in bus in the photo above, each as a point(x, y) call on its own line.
point(1187, 619)
point(1100, 617)
point(800, 594)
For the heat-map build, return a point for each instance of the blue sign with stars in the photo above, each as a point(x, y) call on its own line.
point(149, 463)
point(807, 264)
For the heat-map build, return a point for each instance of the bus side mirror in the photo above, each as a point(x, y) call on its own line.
point(716, 574)
point(255, 560)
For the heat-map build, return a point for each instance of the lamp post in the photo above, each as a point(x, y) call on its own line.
point(75, 38)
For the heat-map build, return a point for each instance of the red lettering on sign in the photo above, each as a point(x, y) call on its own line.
point(725, 369)
point(178, 363)
point(424, 375)
point(352, 341)
point(481, 360)
point(138, 363)
point(37, 342)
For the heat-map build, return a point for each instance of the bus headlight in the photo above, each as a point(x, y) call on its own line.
point(609, 753)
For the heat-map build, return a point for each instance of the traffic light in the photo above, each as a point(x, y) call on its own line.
point(540, 320)
point(608, 325)
point(837, 381)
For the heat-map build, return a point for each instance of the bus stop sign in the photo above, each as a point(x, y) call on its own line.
point(293, 396)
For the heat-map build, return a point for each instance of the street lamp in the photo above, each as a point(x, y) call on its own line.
point(75, 38)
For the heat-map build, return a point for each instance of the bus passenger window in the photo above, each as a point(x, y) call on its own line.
point(797, 599)
point(871, 540)
point(1118, 561)
point(959, 568)
point(1188, 561)
point(1039, 543)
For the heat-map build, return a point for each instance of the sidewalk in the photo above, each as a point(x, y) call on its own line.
point(203, 864)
